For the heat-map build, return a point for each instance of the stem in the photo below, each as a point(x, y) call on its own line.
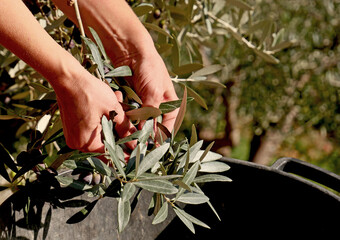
point(81, 27)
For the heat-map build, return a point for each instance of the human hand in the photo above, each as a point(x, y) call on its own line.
point(152, 83)
point(82, 106)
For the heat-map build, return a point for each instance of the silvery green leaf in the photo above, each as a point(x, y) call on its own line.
point(122, 71)
point(100, 166)
point(191, 174)
point(70, 182)
point(99, 42)
point(128, 191)
point(157, 186)
point(212, 178)
point(131, 163)
point(143, 9)
point(207, 70)
point(146, 131)
point(191, 218)
point(193, 151)
point(108, 132)
point(213, 167)
point(209, 203)
point(162, 214)
point(95, 54)
point(189, 177)
point(124, 212)
point(193, 198)
point(211, 156)
point(70, 164)
point(115, 159)
point(152, 158)
point(186, 221)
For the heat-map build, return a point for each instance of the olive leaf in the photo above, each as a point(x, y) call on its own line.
point(95, 54)
point(143, 9)
point(162, 214)
point(182, 214)
point(99, 43)
point(152, 158)
point(143, 113)
point(100, 166)
point(181, 113)
point(211, 178)
point(193, 198)
point(107, 126)
point(213, 167)
point(115, 159)
point(122, 71)
point(124, 212)
point(157, 186)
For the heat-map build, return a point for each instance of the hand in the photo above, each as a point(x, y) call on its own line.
point(152, 83)
point(82, 106)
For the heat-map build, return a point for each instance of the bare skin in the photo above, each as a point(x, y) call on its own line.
point(82, 98)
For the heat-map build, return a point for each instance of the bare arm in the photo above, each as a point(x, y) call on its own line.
point(127, 42)
point(82, 98)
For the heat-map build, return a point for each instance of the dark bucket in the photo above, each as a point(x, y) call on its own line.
point(260, 203)
point(267, 202)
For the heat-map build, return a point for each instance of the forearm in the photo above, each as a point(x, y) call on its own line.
point(121, 32)
point(23, 35)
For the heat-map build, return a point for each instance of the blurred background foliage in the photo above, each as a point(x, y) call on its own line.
point(278, 60)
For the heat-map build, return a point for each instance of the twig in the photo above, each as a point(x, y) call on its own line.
point(81, 27)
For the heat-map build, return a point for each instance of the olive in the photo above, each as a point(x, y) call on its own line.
point(157, 13)
point(96, 178)
point(150, 143)
point(86, 177)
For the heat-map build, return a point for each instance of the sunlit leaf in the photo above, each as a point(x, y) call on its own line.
point(99, 42)
point(107, 127)
point(157, 186)
point(143, 113)
point(182, 185)
point(162, 214)
point(193, 138)
point(209, 203)
point(191, 218)
point(187, 222)
point(156, 28)
point(115, 159)
point(193, 198)
point(181, 113)
point(124, 212)
point(213, 167)
point(95, 54)
point(267, 57)
point(143, 9)
point(122, 71)
point(152, 158)
point(169, 106)
point(211, 178)
point(196, 96)
point(207, 70)
point(187, 68)
point(128, 191)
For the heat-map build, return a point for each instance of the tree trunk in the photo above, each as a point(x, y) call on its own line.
point(272, 139)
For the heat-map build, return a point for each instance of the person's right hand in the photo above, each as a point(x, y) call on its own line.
point(82, 104)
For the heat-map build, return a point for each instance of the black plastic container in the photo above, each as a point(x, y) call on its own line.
point(267, 202)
